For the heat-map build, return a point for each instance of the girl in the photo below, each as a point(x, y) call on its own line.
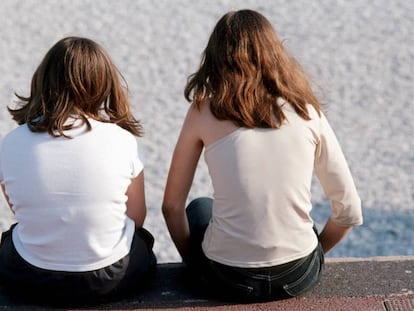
point(263, 132)
point(72, 175)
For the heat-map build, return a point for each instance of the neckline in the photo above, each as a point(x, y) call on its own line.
point(225, 137)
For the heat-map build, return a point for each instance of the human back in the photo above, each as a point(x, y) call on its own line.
point(261, 180)
point(71, 194)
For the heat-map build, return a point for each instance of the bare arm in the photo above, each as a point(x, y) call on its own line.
point(332, 234)
point(6, 197)
point(136, 207)
point(183, 165)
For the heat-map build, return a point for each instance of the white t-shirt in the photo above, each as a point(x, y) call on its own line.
point(262, 191)
point(69, 195)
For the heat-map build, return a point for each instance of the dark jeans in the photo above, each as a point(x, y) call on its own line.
point(247, 284)
point(25, 281)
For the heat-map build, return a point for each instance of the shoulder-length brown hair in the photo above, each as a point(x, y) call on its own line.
point(244, 69)
point(76, 78)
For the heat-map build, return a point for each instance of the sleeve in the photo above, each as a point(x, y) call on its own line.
point(137, 164)
point(335, 177)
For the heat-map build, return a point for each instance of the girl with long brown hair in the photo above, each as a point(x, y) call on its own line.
point(72, 175)
point(263, 133)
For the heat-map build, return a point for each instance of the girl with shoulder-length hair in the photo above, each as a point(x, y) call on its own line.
point(263, 133)
point(75, 80)
point(72, 175)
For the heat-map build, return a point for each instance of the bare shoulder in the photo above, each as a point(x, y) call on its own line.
point(193, 119)
point(212, 129)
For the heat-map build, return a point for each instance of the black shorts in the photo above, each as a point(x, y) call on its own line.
point(25, 281)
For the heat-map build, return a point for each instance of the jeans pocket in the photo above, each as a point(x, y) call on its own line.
point(309, 278)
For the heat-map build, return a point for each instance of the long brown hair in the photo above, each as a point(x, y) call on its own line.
point(76, 78)
point(244, 69)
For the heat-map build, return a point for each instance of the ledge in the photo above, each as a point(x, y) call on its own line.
point(377, 283)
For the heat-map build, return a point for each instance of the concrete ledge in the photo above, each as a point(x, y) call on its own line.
point(378, 283)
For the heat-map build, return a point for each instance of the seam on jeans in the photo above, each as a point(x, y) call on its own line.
point(290, 270)
point(305, 275)
point(269, 285)
point(276, 276)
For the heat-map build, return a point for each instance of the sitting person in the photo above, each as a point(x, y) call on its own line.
point(73, 177)
point(263, 134)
